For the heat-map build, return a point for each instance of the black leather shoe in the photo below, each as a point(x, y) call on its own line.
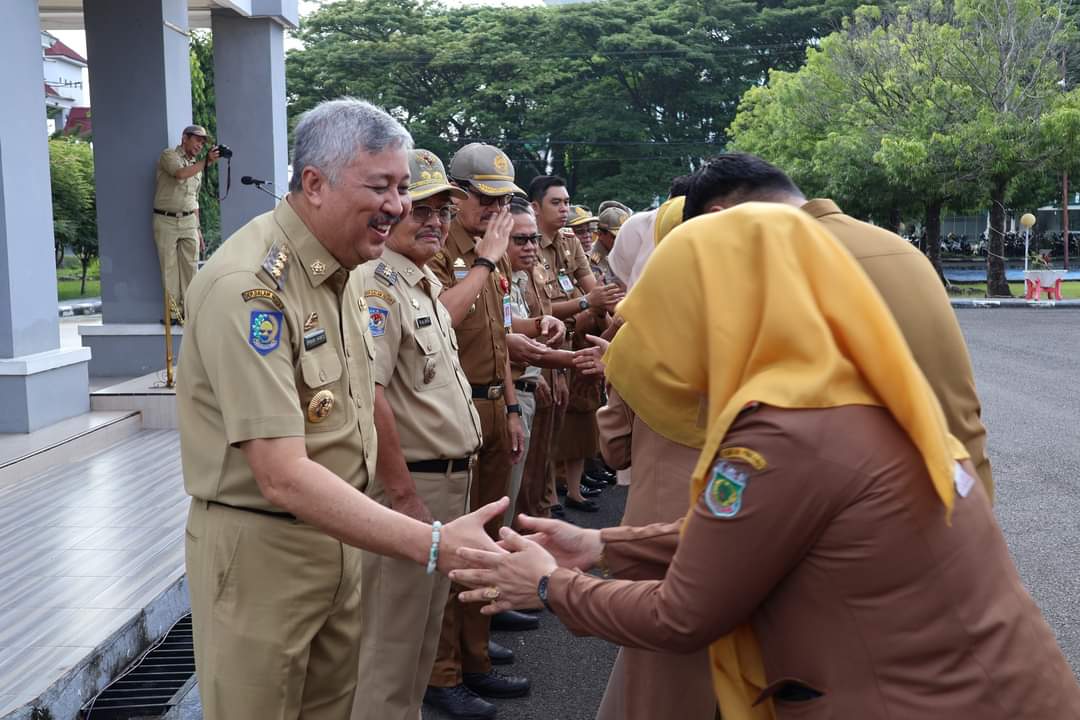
point(582, 505)
point(459, 702)
point(592, 490)
point(592, 483)
point(493, 684)
point(513, 621)
point(499, 655)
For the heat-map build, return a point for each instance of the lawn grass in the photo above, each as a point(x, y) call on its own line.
point(69, 289)
point(1069, 290)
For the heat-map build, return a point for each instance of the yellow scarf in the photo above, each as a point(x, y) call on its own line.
point(668, 216)
point(759, 303)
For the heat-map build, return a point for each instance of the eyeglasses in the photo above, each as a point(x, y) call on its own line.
point(423, 213)
point(523, 240)
point(489, 200)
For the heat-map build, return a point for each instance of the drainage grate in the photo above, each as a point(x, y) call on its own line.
point(147, 688)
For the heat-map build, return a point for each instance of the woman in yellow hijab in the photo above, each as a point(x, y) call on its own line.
point(837, 559)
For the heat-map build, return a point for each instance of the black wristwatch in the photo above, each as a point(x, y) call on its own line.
point(542, 591)
point(583, 303)
point(515, 408)
point(484, 262)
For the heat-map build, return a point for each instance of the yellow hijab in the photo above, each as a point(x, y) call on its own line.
point(668, 216)
point(759, 303)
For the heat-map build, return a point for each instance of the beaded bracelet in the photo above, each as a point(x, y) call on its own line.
point(433, 556)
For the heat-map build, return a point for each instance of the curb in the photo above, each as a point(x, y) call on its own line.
point(80, 307)
point(991, 303)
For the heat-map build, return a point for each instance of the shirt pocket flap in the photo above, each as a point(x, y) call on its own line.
point(320, 368)
point(427, 344)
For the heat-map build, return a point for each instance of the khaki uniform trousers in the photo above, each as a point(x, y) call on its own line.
point(177, 241)
point(275, 606)
point(533, 498)
point(403, 612)
point(463, 642)
point(527, 401)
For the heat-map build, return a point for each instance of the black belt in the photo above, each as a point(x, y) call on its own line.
point(439, 467)
point(528, 386)
point(487, 392)
point(175, 215)
point(257, 511)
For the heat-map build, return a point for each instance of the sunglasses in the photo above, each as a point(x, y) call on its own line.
point(523, 240)
point(423, 213)
point(489, 200)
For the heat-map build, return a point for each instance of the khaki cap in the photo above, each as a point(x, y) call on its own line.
point(612, 218)
point(486, 168)
point(427, 176)
point(579, 215)
point(196, 130)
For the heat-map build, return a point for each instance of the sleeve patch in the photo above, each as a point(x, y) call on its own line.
point(751, 457)
point(265, 330)
point(386, 297)
point(263, 294)
point(377, 320)
point(724, 492)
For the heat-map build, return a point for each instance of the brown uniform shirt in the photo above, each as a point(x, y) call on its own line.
point(416, 359)
point(836, 549)
point(276, 345)
point(562, 264)
point(171, 194)
point(482, 334)
point(912, 290)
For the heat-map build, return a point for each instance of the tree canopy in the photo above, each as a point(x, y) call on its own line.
point(617, 96)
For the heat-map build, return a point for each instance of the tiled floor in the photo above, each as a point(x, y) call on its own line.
point(83, 548)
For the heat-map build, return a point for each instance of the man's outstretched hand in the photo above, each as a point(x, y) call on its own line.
point(468, 532)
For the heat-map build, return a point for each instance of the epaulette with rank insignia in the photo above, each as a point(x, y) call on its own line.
point(276, 263)
point(386, 274)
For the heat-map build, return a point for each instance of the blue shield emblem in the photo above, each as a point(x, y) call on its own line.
point(265, 332)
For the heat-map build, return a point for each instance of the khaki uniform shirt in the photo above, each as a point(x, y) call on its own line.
point(911, 288)
point(171, 194)
point(601, 267)
point(482, 334)
point(519, 306)
point(276, 345)
point(416, 359)
point(821, 529)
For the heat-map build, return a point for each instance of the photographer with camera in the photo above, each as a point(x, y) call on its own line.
point(176, 213)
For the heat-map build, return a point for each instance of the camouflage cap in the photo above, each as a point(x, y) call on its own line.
point(485, 168)
point(427, 176)
point(613, 217)
point(198, 130)
point(613, 203)
point(579, 215)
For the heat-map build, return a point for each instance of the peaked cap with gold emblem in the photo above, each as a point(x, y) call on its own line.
point(486, 168)
point(579, 215)
point(427, 176)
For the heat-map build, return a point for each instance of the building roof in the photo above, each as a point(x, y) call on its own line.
point(50, 91)
point(78, 121)
point(59, 49)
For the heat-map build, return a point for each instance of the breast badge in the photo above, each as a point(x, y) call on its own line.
point(377, 320)
point(724, 493)
point(429, 371)
point(311, 322)
point(264, 333)
point(320, 406)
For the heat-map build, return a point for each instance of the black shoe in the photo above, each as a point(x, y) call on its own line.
point(557, 512)
point(494, 685)
point(592, 483)
point(597, 469)
point(499, 655)
point(589, 491)
point(459, 702)
point(513, 621)
point(582, 505)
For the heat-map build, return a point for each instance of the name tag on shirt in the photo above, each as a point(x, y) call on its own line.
point(314, 339)
point(508, 317)
point(963, 481)
point(565, 283)
point(423, 322)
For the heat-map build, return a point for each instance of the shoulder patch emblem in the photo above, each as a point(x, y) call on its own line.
point(440, 257)
point(724, 492)
point(264, 332)
point(377, 320)
point(751, 457)
point(387, 297)
point(386, 274)
point(263, 294)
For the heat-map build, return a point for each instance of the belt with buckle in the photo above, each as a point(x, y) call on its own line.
point(257, 511)
point(487, 392)
point(180, 214)
point(439, 467)
point(528, 386)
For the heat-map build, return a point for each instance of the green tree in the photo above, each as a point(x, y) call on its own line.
point(203, 112)
point(71, 168)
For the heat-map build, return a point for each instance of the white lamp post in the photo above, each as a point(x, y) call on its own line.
point(1027, 220)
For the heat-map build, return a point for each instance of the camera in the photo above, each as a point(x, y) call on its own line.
point(224, 151)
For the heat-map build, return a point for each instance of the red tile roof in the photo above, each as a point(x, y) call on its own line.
point(50, 92)
point(59, 49)
point(78, 121)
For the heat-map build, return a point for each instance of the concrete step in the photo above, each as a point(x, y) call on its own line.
point(26, 454)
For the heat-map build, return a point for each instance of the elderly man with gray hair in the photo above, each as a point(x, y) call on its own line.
point(275, 402)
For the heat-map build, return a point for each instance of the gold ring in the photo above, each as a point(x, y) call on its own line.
point(492, 593)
